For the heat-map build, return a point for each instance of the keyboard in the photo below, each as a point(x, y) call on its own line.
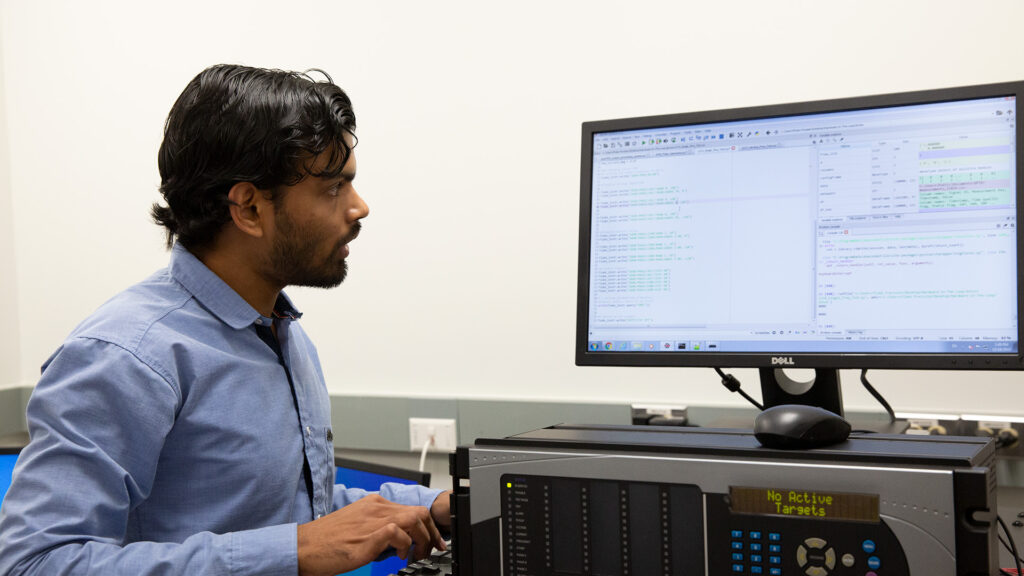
point(438, 564)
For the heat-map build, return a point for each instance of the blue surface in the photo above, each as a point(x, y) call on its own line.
point(369, 481)
point(6, 469)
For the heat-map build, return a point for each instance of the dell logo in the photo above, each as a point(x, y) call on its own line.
point(783, 360)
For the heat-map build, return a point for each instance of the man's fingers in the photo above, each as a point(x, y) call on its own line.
point(392, 535)
point(420, 533)
point(435, 536)
point(428, 531)
point(420, 528)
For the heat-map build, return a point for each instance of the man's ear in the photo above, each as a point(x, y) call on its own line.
point(248, 208)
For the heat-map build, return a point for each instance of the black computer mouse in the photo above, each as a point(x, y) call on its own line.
point(796, 426)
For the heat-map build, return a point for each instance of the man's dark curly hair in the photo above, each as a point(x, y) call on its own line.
point(240, 124)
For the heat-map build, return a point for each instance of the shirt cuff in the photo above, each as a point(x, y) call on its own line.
point(411, 494)
point(270, 551)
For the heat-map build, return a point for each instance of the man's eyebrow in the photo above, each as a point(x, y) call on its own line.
point(343, 178)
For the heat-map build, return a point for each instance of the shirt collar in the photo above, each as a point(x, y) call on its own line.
point(219, 298)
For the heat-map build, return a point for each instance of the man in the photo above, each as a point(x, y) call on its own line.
point(184, 428)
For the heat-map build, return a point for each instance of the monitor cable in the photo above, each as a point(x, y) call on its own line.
point(1011, 546)
point(733, 384)
point(881, 400)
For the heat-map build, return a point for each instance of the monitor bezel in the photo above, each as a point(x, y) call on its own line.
point(419, 477)
point(830, 360)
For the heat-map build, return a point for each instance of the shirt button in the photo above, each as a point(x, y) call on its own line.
point(309, 431)
point(330, 435)
point(259, 321)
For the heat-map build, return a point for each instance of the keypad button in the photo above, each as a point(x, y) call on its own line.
point(737, 557)
point(816, 543)
point(874, 562)
point(775, 559)
point(755, 558)
point(774, 536)
point(848, 560)
point(737, 533)
point(756, 570)
point(816, 571)
point(737, 567)
point(830, 558)
point(868, 546)
point(737, 545)
point(775, 571)
point(755, 535)
point(755, 546)
point(775, 548)
point(801, 555)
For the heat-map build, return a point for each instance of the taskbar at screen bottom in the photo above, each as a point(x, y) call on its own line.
point(808, 346)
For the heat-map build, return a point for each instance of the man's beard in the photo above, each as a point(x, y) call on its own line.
point(292, 260)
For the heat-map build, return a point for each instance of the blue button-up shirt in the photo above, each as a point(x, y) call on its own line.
point(165, 440)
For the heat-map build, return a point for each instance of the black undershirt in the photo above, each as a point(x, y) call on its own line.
point(267, 335)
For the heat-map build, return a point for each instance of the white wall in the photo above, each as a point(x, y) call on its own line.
point(10, 349)
point(463, 282)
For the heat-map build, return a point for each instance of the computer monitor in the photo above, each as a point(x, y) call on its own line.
point(868, 232)
point(8, 457)
point(370, 475)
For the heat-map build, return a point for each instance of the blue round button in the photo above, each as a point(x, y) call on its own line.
point(874, 562)
point(868, 546)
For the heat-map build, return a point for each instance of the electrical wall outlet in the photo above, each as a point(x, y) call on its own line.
point(442, 429)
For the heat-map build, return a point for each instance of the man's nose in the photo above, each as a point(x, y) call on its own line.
point(359, 209)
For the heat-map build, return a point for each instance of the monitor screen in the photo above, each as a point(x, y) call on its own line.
point(869, 232)
point(8, 456)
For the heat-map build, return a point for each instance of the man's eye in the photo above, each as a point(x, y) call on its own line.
point(334, 190)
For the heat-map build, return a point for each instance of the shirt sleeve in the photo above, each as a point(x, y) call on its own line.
point(97, 421)
point(411, 495)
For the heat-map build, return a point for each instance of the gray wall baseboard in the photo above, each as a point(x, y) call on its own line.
point(382, 423)
point(12, 409)
point(376, 428)
point(376, 423)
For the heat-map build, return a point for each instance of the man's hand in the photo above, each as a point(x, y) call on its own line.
point(355, 535)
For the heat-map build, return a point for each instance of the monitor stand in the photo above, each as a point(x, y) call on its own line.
point(823, 390)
